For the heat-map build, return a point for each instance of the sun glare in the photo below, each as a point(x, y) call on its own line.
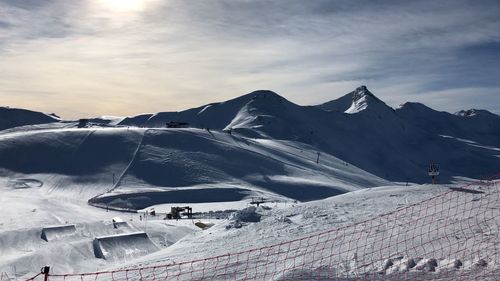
point(123, 5)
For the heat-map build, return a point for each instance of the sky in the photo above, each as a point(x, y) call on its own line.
point(87, 58)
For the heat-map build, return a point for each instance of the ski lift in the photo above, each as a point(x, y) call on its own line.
point(257, 201)
point(433, 172)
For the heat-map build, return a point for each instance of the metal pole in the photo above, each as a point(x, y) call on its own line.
point(45, 272)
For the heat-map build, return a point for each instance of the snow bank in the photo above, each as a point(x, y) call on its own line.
point(237, 218)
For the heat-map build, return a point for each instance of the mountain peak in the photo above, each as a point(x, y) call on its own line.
point(361, 99)
point(263, 93)
point(362, 91)
point(467, 113)
point(362, 88)
point(264, 99)
point(254, 95)
point(413, 106)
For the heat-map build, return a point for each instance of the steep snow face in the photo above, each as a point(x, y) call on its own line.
point(14, 117)
point(270, 115)
point(359, 100)
point(362, 99)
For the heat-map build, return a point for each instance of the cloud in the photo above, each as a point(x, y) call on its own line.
point(86, 58)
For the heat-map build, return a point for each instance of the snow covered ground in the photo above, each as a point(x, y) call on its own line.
point(75, 197)
point(54, 169)
point(23, 252)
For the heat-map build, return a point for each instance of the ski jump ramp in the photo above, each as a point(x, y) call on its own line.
point(127, 245)
point(56, 232)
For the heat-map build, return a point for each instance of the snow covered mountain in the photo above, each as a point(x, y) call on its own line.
point(360, 129)
point(399, 144)
point(14, 117)
point(477, 125)
point(357, 129)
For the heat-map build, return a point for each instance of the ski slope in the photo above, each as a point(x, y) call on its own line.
point(167, 162)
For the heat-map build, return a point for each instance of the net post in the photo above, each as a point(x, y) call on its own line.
point(45, 271)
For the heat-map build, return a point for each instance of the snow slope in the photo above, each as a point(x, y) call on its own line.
point(283, 223)
point(139, 167)
point(23, 251)
point(428, 239)
point(26, 211)
point(14, 117)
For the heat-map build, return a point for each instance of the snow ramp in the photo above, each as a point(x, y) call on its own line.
point(57, 232)
point(120, 246)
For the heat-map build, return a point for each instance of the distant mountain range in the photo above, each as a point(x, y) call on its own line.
point(359, 128)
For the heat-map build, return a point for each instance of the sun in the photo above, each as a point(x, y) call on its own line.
point(123, 5)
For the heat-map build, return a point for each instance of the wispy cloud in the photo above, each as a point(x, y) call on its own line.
point(87, 58)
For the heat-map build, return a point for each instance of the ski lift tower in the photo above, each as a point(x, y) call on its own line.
point(433, 172)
